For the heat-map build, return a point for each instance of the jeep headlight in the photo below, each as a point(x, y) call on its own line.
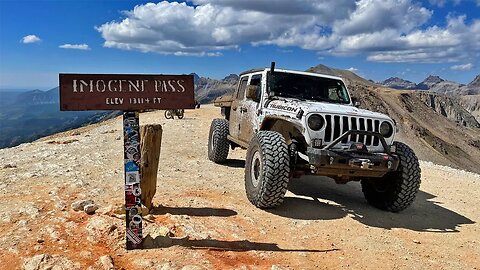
point(315, 122)
point(386, 129)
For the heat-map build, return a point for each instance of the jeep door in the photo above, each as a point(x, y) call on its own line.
point(249, 108)
point(236, 113)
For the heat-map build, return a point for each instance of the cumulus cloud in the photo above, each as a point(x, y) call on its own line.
point(30, 39)
point(374, 16)
point(464, 67)
point(75, 46)
point(456, 42)
point(172, 28)
point(321, 9)
point(383, 30)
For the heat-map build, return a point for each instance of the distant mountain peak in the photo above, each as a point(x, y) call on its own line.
point(322, 69)
point(398, 83)
point(196, 78)
point(233, 78)
point(475, 82)
point(433, 79)
point(430, 82)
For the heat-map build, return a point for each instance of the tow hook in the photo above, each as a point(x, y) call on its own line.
point(361, 163)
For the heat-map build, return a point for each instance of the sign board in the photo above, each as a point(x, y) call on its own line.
point(127, 92)
point(130, 93)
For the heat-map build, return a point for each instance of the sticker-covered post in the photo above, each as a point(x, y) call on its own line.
point(129, 93)
point(133, 202)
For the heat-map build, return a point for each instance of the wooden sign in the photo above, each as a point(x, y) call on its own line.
point(130, 93)
point(127, 92)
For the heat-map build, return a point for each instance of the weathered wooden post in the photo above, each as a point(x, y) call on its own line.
point(131, 93)
point(150, 145)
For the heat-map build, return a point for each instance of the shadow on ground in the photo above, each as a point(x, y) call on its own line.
point(192, 211)
point(234, 163)
point(424, 215)
point(220, 245)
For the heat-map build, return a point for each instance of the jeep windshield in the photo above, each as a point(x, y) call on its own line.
point(306, 87)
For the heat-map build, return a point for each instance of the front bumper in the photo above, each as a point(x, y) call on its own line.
point(350, 163)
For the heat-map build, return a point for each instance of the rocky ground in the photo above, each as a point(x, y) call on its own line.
point(203, 219)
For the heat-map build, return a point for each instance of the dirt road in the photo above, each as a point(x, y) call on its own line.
point(206, 217)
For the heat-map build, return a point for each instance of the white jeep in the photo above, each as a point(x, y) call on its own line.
point(295, 123)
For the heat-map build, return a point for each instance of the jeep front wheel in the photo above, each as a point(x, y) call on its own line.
point(396, 190)
point(218, 143)
point(267, 169)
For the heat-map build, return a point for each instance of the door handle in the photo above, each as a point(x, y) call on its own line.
point(234, 108)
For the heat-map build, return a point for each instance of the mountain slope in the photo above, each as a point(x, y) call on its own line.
point(437, 127)
point(472, 104)
point(202, 218)
point(346, 74)
point(35, 114)
point(206, 89)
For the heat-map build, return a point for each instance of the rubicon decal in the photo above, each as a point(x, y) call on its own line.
point(283, 107)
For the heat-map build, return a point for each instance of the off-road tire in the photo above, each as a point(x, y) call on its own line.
point(268, 156)
point(218, 143)
point(396, 190)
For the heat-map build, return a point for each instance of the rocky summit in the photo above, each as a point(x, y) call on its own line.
point(201, 217)
point(397, 83)
point(429, 82)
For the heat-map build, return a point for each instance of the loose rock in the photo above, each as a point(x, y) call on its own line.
point(106, 262)
point(46, 261)
point(90, 208)
point(79, 205)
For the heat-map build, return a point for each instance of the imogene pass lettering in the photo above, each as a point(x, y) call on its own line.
point(165, 86)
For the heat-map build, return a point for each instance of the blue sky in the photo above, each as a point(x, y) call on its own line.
point(377, 39)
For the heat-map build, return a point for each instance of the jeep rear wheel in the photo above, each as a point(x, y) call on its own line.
point(218, 143)
point(267, 169)
point(396, 190)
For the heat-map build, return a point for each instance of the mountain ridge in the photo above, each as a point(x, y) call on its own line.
point(435, 83)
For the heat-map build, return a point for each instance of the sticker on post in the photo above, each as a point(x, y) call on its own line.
point(132, 177)
point(130, 166)
point(133, 237)
point(131, 200)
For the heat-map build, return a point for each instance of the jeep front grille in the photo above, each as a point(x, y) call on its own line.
point(336, 125)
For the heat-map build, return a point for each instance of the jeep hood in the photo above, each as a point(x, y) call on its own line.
point(292, 106)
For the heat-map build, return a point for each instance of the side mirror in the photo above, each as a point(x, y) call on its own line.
point(355, 102)
point(252, 92)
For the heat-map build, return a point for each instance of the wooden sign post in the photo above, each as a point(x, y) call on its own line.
point(130, 93)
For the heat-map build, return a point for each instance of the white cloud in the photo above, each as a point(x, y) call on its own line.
point(383, 30)
point(372, 16)
point(75, 46)
point(352, 69)
point(173, 28)
point(464, 67)
point(322, 9)
point(456, 42)
point(30, 39)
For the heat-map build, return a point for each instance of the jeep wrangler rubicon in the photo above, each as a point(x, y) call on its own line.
point(295, 123)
